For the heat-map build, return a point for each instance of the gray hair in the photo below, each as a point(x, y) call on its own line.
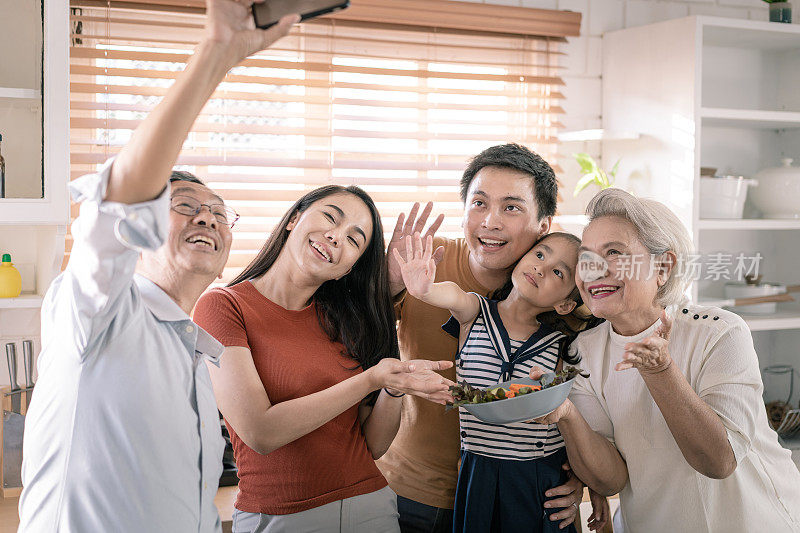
point(658, 229)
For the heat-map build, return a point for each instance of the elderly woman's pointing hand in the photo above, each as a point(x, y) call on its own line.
point(651, 355)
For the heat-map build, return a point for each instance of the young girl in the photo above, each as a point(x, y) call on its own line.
point(505, 469)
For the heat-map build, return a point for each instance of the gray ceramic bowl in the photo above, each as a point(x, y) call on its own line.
point(525, 407)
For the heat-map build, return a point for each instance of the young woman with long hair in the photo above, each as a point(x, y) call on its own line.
point(310, 380)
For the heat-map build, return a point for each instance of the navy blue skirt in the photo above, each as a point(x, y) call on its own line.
point(502, 495)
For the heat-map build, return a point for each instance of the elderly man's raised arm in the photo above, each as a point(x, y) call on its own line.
point(124, 209)
point(141, 170)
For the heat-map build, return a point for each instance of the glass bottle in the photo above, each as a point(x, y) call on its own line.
point(778, 383)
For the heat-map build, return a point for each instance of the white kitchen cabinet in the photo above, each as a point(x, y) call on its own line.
point(34, 122)
point(712, 92)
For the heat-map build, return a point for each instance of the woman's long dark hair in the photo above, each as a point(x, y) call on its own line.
point(357, 309)
point(579, 319)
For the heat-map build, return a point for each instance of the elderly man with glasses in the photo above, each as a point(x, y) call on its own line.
point(123, 432)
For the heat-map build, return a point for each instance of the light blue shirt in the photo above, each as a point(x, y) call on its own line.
point(123, 433)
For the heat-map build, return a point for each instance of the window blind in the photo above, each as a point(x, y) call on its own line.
point(396, 109)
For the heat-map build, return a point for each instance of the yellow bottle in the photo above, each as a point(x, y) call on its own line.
point(10, 280)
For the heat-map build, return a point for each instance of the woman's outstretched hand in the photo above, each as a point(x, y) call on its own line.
point(230, 23)
point(650, 356)
point(418, 267)
point(417, 377)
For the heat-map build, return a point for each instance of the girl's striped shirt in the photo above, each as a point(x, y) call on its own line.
point(489, 357)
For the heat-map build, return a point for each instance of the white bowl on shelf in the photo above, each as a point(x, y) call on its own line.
point(723, 196)
point(778, 193)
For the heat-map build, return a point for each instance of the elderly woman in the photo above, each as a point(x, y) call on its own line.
point(672, 415)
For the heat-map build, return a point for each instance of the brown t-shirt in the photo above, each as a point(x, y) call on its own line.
point(294, 358)
point(422, 462)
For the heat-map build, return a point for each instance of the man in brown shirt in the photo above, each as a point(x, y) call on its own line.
point(509, 196)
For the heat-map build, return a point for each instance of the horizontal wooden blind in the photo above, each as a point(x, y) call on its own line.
point(395, 109)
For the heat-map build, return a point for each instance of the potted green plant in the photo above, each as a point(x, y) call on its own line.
point(592, 173)
point(779, 11)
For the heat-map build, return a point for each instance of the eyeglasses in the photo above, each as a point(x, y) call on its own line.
point(186, 205)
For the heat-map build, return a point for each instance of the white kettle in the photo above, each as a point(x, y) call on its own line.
point(778, 191)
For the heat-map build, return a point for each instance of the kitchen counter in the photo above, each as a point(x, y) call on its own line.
point(9, 519)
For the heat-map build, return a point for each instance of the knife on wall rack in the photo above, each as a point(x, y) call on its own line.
point(11, 359)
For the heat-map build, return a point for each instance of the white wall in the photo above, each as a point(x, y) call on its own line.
point(582, 75)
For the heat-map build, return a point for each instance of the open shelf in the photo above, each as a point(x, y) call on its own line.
point(25, 301)
point(749, 34)
point(12, 94)
point(713, 92)
point(749, 224)
point(597, 135)
point(787, 316)
point(783, 319)
point(750, 118)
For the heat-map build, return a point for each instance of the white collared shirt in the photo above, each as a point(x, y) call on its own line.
point(714, 350)
point(123, 432)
